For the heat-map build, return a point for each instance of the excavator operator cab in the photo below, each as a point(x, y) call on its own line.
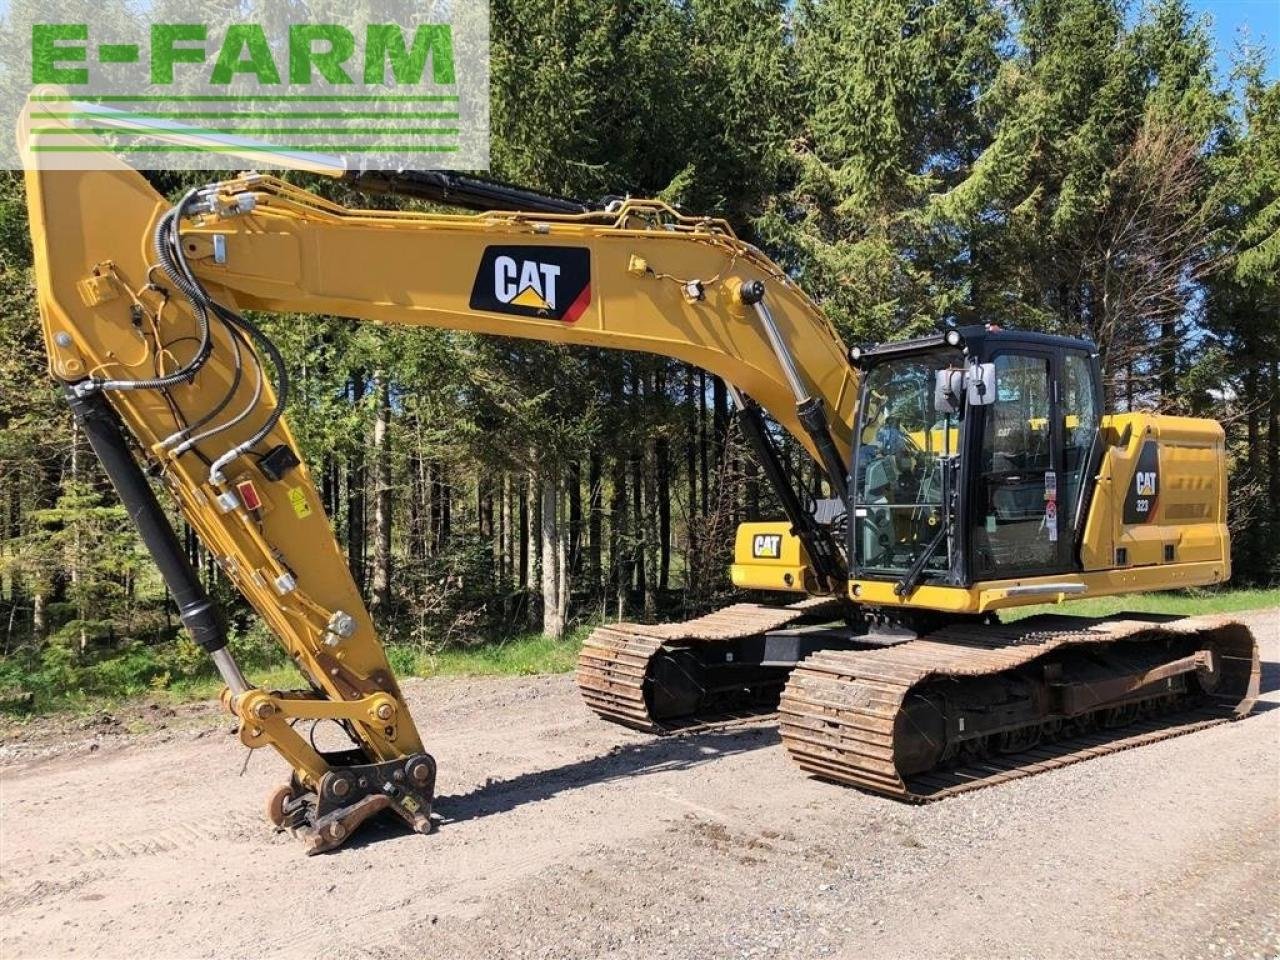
point(972, 457)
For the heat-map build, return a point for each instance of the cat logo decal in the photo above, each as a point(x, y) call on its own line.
point(546, 283)
point(766, 546)
point(1144, 492)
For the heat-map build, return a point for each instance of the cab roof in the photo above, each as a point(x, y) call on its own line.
point(975, 338)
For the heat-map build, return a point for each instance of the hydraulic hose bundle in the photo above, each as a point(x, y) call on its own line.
point(172, 262)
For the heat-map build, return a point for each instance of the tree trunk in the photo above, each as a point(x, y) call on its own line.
point(50, 485)
point(522, 533)
point(39, 617)
point(662, 468)
point(703, 442)
point(565, 580)
point(533, 496)
point(13, 530)
point(637, 521)
point(446, 506)
point(533, 493)
point(720, 417)
point(191, 545)
point(575, 517)
point(417, 539)
point(1273, 438)
point(691, 439)
point(435, 508)
point(355, 497)
point(75, 572)
point(652, 547)
point(1168, 365)
point(484, 507)
point(1253, 421)
point(329, 484)
point(619, 547)
point(549, 548)
point(500, 520)
point(595, 525)
point(510, 550)
point(381, 581)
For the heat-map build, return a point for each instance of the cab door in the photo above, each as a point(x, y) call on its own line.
point(1015, 522)
point(1080, 412)
point(1036, 457)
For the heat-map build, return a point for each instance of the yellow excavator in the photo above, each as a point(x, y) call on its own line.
point(968, 472)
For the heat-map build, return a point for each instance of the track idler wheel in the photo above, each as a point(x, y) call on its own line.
point(920, 735)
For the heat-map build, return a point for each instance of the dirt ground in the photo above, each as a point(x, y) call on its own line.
point(563, 836)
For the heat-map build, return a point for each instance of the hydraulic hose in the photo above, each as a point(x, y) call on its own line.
point(259, 378)
point(187, 430)
point(174, 263)
point(282, 390)
point(165, 242)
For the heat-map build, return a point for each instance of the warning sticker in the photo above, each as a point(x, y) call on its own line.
point(298, 500)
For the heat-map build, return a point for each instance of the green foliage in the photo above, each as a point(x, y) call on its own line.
point(523, 655)
point(60, 679)
point(62, 675)
point(93, 540)
point(889, 117)
point(1065, 165)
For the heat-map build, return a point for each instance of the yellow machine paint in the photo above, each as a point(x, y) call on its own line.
point(768, 556)
point(104, 317)
point(1186, 524)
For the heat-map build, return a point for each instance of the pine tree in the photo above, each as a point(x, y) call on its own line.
point(888, 117)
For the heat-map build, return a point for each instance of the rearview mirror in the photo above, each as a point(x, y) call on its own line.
point(948, 390)
point(981, 381)
point(976, 384)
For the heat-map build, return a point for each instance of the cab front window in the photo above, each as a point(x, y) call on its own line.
point(905, 444)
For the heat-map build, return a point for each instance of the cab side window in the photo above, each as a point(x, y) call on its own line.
point(1079, 429)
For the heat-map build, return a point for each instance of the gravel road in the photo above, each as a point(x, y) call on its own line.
point(563, 836)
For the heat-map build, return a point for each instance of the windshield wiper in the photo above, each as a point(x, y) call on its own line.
point(908, 583)
point(916, 570)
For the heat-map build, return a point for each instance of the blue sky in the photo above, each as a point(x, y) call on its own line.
point(1233, 20)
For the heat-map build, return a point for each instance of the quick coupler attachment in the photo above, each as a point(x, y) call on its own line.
point(332, 792)
point(348, 795)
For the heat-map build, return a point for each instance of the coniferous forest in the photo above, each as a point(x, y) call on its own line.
point(1073, 166)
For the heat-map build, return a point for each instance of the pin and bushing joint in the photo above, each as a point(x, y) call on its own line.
point(751, 292)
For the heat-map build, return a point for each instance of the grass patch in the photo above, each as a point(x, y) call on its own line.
point(1184, 603)
point(149, 672)
point(171, 674)
point(519, 656)
point(527, 655)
